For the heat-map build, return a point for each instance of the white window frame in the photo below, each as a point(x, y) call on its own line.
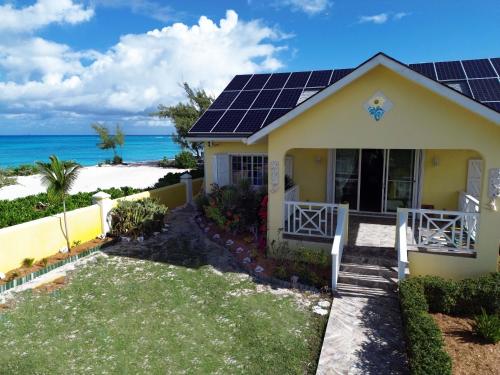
point(241, 154)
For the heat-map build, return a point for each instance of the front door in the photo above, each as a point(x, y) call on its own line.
point(376, 180)
point(372, 180)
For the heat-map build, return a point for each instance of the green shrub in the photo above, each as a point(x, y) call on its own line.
point(479, 293)
point(34, 207)
point(281, 250)
point(136, 218)
point(234, 208)
point(174, 178)
point(166, 163)
point(117, 159)
point(21, 170)
point(487, 326)
point(441, 295)
point(426, 354)
point(6, 180)
point(186, 160)
point(28, 262)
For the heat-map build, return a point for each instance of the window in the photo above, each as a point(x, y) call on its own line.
point(249, 167)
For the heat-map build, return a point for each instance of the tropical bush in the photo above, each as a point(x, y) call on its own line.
point(137, 218)
point(6, 180)
point(487, 327)
point(281, 250)
point(166, 163)
point(21, 170)
point(420, 295)
point(175, 178)
point(186, 160)
point(233, 208)
point(34, 207)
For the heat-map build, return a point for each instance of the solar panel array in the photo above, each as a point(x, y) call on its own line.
point(253, 101)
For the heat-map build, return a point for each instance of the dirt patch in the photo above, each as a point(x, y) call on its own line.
point(22, 271)
point(469, 354)
point(52, 285)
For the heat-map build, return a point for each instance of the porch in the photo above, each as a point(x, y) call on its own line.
point(436, 188)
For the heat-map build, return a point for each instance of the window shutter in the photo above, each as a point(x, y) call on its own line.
point(474, 174)
point(220, 169)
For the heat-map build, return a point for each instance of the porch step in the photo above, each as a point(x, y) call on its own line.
point(368, 269)
point(348, 257)
point(351, 290)
point(371, 281)
point(371, 251)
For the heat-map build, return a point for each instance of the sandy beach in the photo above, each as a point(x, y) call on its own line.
point(92, 178)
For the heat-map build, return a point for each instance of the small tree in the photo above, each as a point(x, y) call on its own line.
point(109, 141)
point(59, 176)
point(184, 115)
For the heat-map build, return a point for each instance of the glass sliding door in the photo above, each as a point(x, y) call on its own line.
point(347, 177)
point(400, 179)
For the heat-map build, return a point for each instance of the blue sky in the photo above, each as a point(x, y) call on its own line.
point(66, 63)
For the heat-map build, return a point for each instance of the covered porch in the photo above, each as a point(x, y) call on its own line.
point(438, 190)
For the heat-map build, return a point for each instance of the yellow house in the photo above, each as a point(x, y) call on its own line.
point(416, 147)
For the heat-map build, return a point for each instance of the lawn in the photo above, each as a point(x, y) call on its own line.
point(120, 315)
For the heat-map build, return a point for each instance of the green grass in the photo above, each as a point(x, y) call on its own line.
point(125, 316)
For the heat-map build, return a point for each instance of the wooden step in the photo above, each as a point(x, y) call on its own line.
point(363, 292)
point(373, 260)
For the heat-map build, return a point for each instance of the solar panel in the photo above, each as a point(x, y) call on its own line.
point(427, 69)
point(238, 82)
point(207, 121)
point(277, 81)
point(485, 89)
point(460, 86)
point(266, 99)
point(478, 68)
point(338, 74)
point(252, 121)
point(251, 102)
point(244, 100)
point(494, 105)
point(224, 100)
point(496, 64)
point(297, 79)
point(449, 70)
point(257, 81)
point(274, 115)
point(229, 121)
point(288, 98)
point(319, 78)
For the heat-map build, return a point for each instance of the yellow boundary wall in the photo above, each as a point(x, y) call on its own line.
point(44, 237)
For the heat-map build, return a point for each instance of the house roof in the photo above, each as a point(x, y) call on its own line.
point(252, 105)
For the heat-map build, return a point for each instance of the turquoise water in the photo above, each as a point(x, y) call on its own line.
point(23, 149)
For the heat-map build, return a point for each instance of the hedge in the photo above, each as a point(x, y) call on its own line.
point(420, 295)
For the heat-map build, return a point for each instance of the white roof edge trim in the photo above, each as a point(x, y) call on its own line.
point(398, 68)
point(208, 139)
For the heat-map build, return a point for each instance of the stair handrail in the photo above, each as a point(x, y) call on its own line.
point(339, 241)
point(401, 242)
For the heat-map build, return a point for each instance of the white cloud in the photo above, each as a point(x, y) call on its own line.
point(377, 18)
point(383, 17)
point(136, 74)
point(310, 7)
point(42, 13)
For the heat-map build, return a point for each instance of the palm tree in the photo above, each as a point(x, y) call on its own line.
point(59, 176)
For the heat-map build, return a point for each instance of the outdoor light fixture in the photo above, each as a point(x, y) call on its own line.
point(435, 161)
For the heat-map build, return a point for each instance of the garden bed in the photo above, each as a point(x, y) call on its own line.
point(21, 275)
point(469, 354)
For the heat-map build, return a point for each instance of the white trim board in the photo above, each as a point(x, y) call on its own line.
point(397, 67)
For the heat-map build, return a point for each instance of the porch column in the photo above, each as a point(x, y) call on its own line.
point(489, 220)
point(276, 192)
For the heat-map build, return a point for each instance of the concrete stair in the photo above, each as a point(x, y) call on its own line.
point(368, 268)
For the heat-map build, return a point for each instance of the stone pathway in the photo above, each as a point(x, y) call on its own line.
point(364, 334)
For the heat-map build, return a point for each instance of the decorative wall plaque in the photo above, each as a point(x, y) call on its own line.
point(378, 105)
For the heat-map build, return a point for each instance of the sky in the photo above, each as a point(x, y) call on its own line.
point(65, 64)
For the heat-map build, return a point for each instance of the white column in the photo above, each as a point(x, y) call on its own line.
point(103, 200)
point(187, 180)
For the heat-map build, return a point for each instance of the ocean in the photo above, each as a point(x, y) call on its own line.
point(26, 149)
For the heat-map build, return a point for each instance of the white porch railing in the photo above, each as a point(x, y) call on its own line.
point(401, 242)
point(442, 230)
point(468, 203)
point(314, 219)
point(291, 195)
point(340, 240)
